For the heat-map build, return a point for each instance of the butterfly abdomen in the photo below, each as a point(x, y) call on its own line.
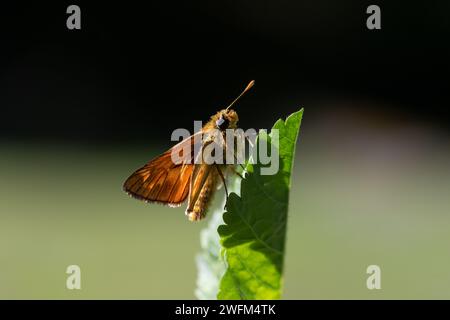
point(198, 211)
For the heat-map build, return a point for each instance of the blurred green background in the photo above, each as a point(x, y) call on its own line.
point(363, 193)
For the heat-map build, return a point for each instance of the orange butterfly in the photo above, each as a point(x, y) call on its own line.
point(167, 182)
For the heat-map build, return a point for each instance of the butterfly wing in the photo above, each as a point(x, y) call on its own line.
point(161, 180)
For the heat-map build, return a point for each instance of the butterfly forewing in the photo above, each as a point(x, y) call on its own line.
point(162, 180)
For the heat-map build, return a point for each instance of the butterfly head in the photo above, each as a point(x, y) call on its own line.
point(226, 119)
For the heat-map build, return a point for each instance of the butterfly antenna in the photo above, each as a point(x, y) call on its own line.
point(248, 87)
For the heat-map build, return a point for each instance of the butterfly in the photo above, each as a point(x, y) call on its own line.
point(171, 183)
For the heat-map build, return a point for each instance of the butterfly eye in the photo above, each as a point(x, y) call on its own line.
point(222, 123)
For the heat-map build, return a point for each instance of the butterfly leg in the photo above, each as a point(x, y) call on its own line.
point(222, 178)
point(234, 171)
point(249, 141)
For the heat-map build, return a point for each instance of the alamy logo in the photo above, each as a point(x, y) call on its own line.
point(74, 20)
point(74, 279)
point(215, 146)
point(374, 20)
point(374, 280)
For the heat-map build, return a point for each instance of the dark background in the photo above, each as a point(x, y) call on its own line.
point(137, 70)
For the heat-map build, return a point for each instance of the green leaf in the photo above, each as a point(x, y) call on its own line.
point(210, 263)
point(254, 233)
